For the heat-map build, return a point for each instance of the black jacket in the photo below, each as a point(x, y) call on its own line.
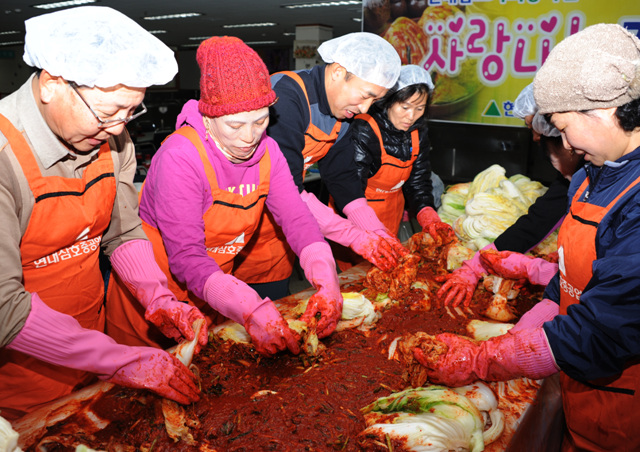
point(418, 188)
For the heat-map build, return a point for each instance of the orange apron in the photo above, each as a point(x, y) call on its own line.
point(600, 416)
point(59, 252)
point(384, 189)
point(270, 258)
point(384, 192)
point(229, 222)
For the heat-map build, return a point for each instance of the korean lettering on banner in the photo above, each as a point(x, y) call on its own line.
point(481, 53)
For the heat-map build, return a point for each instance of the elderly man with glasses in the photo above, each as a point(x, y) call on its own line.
point(66, 192)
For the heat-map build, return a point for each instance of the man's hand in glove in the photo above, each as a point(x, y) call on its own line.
point(160, 372)
point(375, 248)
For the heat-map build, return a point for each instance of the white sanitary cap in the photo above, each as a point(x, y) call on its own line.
point(525, 105)
point(411, 74)
point(97, 46)
point(365, 55)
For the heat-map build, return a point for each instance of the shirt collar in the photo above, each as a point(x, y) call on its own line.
point(45, 144)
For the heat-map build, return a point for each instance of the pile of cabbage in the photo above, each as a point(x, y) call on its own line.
point(434, 419)
point(479, 211)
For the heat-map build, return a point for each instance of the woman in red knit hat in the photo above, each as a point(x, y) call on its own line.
point(204, 195)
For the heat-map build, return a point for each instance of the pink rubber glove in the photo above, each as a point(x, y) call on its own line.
point(461, 283)
point(543, 311)
point(377, 249)
point(360, 213)
point(430, 222)
point(319, 267)
point(511, 265)
point(372, 246)
point(134, 262)
point(236, 300)
point(59, 339)
point(523, 354)
point(269, 332)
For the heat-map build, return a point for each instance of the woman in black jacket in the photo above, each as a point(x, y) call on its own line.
point(392, 154)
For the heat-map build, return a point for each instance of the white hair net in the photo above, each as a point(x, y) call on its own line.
point(365, 55)
point(411, 74)
point(97, 46)
point(525, 105)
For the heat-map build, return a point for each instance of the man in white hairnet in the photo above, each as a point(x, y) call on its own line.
point(310, 122)
point(66, 191)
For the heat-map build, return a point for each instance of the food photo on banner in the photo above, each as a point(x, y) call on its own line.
point(482, 53)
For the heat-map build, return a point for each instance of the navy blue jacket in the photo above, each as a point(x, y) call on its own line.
point(600, 336)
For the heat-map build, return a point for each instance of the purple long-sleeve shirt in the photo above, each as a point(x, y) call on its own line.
point(177, 193)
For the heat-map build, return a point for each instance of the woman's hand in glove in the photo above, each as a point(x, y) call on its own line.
point(461, 361)
point(461, 283)
point(431, 223)
point(269, 332)
point(329, 307)
point(319, 267)
point(511, 265)
point(458, 287)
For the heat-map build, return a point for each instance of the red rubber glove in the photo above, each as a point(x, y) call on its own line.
point(269, 332)
point(543, 311)
point(175, 319)
point(511, 265)
point(158, 371)
point(430, 222)
point(134, 262)
point(523, 354)
point(319, 267)
point(461, 283)
point(58, 338)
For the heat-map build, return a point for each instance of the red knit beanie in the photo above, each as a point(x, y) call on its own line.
point(233, 78)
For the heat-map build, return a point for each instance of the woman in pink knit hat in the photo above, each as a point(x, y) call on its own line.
point(204, 195)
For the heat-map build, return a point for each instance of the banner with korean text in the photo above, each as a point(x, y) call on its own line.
point(481, 53)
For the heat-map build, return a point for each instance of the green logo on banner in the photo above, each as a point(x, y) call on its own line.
point(492, 110)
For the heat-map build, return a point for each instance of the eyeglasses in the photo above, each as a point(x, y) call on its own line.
point(105, 123)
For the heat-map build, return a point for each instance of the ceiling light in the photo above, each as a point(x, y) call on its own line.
point(198, 38)
point(11, 43)
point(14, 32)
point(63, 4)
point(258, 24)
point(260, 42)
point(313, 5)
point(288, 33)
point(357, 19)
point(172, 16)
point(157, 32)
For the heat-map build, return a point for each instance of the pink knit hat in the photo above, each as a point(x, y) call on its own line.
point(233, 78)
